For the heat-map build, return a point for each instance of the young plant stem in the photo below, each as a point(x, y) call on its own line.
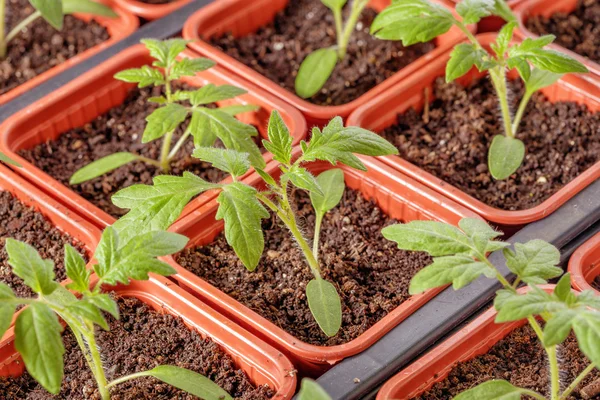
point(179, 144)
point(521, 111)
point(166, 144)
point(2, 28)
point(498, 76)
point(97, 361)
point(318, 221)
point(126, 378)
point(339, 27)
point(554, 373)
point(357, 7)
point(21, 25)
point(577, 381)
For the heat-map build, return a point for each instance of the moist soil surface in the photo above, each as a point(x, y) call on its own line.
point(578, 31)
point(27, 225)
point(41, 47)
point(520, 359)
point(369, 272)
point(277, 49)
point(452, 139)
point(119, 129)
point(141, 340)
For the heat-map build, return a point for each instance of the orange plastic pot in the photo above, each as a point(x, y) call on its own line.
point(94, 93)
point(118, 28)
point(150, 12)
point(475, 339)
point(546, 8)
point(241, 17)
point(584, 264)
point(398, 196)
point(262, 363)
point(381, 113)
point(493, 23)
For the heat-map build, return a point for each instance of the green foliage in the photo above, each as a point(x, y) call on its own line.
point(325, 305)
point(332, 187)
point(280, 139)
point(6, 159)
point(176, 109)
point(310, 390)
point(414, 21)
point(494, 390)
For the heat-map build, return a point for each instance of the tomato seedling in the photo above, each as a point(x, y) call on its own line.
point(242, 207)
point(414, 21)
point(53, 12)
point(460, 257)
point(317, 67)
point(206, 125)
point(38, 329)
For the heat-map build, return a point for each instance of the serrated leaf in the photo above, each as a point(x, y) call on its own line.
point(462, 58)
point(303, 179)
point(7, 307)
point(562, 290)
point(190, 67)
point(76, 271)
point(38, 340)
point(211, 94)
point(102, 166)
point(230, 161)
point(164, 51)
point(539, 79)
point(156, 207)
point(243, 214)
point(314, 72)
point(586, 326)
point(88, 311)
point(460, 270)
point(534, 262)
point(88, 7)
point(311, 390)
point(334, 4)
point(493, 390)
point(105, 303)
point(501, 296)
point(502, 10)
point(337, 143)
point(325, 305)
point(200, 130)
point(504, 37)
point(266, 177)
point(505, 156)
point(144, 76)
point(27, 264)
point(473, 10)
point(522, 66)
point(332, 185)
point(233, 133)
point(558, 327)
point(535, 302)
point(239, 109)
point(589, 298)
point(435, 238)
point(412, 21)
point(163, 120)
point(51, 10)
point(546, 59)
point(280, 139)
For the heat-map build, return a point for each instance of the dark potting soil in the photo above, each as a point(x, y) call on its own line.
point(578, 31)
point(119, 129)
point(40, 47)
point(596, 283)
point(141, 340)
point(562, 141)
point(277, 49)
point(520, 359)
point(27, 225)
point(369, 272)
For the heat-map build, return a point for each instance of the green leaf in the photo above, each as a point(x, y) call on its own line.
point(334, 4)
point(188, 381)
point(102, 166)
point(462, 59)
point(502, 10)
point(163, 120)
point(303, 179)
point(76, 271)
point(493, 390)
point(156, 207)
point(199, 128)
point(460, 270)
point(473, 10)
point(266, 177)
point(88, 7)
point(482, 235)
point(6, 159)
point(105, 303)
point(165, 51)
point(7, 307)
point(144, 76)
point(233, 133)
point(27, 264)
point(137, 258)
point(311, 390)
point(280, 139)
point(412, 21)
point(558, 327)
point(87, 310)
point(325, 305)
point(190, 67)
point(435, 238)
point(504, 37)
point(534, 262)
point(314, 71)
point(239, 109)
point(586, 326)
point(546, 59)
point(337, 143)
point(535, 302)
point(38, 340)
point(332, 185)
point(505, 156)
point(243, 214)
point(540, 79)
point(522, 66)
point(212, 94)
point(231, 161)
point(51, 10)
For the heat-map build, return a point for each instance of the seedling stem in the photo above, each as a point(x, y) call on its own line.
point(357, 8)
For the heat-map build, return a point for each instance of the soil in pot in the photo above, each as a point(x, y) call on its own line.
point(25, 224)
point(520, 359)
point(40, 47)
point(451, 139)
point(578, 31)
point(596, 283)
point(277, 49)
point(141, 340)
point(120, 129)
point(370, 273)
